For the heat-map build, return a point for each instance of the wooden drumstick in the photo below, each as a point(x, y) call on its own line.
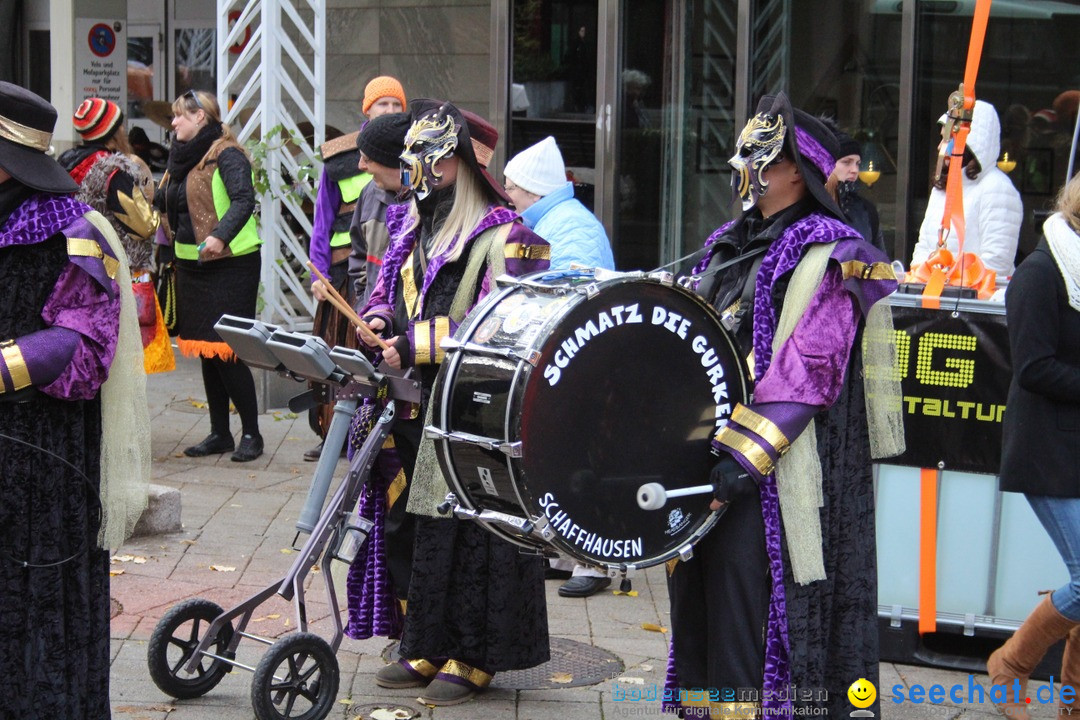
point(335, 299)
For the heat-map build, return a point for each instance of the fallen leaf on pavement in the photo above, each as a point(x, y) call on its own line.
point(222, 568)
point(346, 701)
point(631, 593)
point(114, 573)
point(561, 677)
point(626, 680)
point(188, 542)
point(286, 551)
point(122, 558)
point(387, 714)
point(646, 668)
point(653, 627)
point(144, 708)
point(139, 560)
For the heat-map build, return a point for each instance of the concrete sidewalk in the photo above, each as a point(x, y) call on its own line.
point(238, 528)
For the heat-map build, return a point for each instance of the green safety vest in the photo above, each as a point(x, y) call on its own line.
point(350, 189)
point(246, 241)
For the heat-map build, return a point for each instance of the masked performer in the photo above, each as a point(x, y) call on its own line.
point(74, 447)
point(475, 605)
point(764, 604)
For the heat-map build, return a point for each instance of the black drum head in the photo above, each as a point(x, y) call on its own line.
point(629, 389)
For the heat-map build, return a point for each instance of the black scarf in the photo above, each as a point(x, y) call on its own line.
point(183, 156)
point(12, 194)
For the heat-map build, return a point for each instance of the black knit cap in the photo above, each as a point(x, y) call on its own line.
point(383, 138)
point(848, 145)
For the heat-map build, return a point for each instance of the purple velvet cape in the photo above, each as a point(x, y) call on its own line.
point(70, 358)
point(805, 376)
point(373, 608)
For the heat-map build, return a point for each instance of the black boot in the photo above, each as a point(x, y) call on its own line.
point(251, 447)
point(213, 444)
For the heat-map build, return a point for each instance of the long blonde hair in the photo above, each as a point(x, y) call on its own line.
point(1068, 203)
point(206, 102)
point(469, 208)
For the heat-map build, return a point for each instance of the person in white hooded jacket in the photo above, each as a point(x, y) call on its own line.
point(993, 210)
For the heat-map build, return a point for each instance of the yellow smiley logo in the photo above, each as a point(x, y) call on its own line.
point(862, 693)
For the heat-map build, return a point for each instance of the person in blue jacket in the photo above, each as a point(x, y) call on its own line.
point(536, 183)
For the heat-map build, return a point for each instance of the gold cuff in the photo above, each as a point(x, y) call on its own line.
point(763, 426)
point(442, 331)
point(16, 365)
point(422, 340)
point(873, 271)
point(746, 447)
point(519, 251)
point(468, 673)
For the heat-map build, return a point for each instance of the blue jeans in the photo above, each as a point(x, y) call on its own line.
point(1061, 519)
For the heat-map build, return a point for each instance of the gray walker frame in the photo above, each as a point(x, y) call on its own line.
point(334, 533)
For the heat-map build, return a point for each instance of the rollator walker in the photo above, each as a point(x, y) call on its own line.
point(194, 644)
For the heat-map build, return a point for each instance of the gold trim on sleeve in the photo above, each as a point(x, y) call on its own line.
point(408, 288)
point(16, 365)
point(520, 251)
point(873, 271)
point(733, 439)
point(763, 426)
point(442, 331)
point(422, 340)
point(82, 247)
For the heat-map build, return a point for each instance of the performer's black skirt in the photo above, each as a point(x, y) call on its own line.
point(206, 291)
point(475, 598)
point(54, 621)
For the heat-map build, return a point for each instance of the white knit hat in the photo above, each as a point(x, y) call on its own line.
point(538, 169)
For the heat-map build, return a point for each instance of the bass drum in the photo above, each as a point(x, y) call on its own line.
point(562, 393)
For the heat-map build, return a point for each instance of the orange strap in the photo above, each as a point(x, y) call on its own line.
point(928, 552)
point(931, 295)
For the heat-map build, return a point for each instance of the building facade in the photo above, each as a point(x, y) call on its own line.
point(645, 97)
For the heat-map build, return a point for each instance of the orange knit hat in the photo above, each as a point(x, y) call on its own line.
point(380, 87)
point(97, 119)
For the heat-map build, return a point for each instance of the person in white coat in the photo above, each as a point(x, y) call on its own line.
point(993, 210)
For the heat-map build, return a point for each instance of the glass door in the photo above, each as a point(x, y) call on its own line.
point(553, 88)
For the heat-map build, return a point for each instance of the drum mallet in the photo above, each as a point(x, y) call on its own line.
point(653, 496)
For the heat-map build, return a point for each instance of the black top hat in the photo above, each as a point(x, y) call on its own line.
point(810, 144)
point(26, 127)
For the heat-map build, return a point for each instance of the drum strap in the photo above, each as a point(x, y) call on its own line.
point(486, 249)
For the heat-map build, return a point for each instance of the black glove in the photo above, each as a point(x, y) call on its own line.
point(730, 481)
point(404, 349)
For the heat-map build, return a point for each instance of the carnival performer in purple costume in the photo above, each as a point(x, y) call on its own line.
point(475, 603)
point(60, 331)
point(766, 603)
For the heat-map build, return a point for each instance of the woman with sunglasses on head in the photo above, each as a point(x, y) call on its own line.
point(475, 604)
point(207, 198)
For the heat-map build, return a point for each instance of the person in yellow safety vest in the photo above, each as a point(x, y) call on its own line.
point(339, 189)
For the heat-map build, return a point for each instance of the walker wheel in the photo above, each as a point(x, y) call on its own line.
point(174, 641)
point(297, 679)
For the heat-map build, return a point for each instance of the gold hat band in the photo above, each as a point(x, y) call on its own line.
point(23, 135)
